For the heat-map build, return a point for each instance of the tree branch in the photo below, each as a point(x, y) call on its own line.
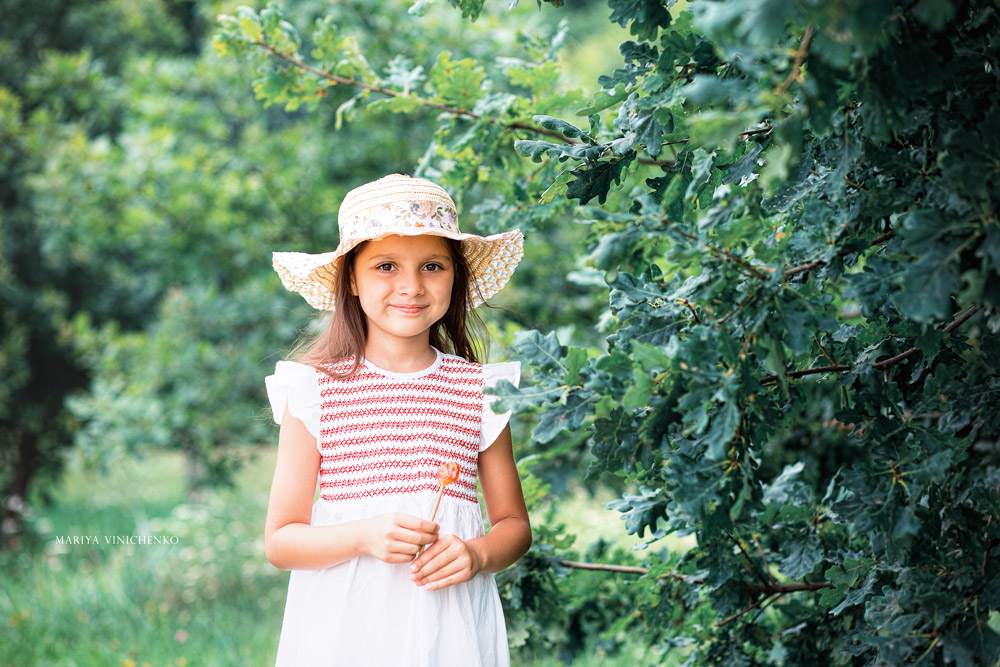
point(771, 590)
point(663, 163)
point(764, 606)
point(743, 611)
point(795, 587)
point(839, 368)
point(823, 349)
point(800, 57)
point(885, 363)
point(880, 365)
point(760, 130)
point(691, 308)
point(804, 267)
point(625, 569)
point(767, 567)
point(809, 266)
point(749, 560)
point(334, 78)
point(622, 569)
point(767, 590)
point(749, 297)
point(970, 311)
point(722, 253)
point(344, 81)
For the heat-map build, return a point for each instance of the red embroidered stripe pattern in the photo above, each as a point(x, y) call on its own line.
point(383, 435)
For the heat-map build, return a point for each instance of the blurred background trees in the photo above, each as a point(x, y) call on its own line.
point(143, 190)
point(758, 304)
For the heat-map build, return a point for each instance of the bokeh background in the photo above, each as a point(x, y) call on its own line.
point(142, 189)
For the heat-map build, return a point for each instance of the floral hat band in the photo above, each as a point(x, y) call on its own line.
point(405, 206)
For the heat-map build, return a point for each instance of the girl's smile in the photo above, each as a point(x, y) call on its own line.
point(403, 284)
point(410, 309)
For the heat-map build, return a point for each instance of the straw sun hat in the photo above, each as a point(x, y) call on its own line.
point(406, 206)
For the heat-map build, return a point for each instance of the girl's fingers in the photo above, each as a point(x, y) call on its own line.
point(445, 558)
point(448, 581)
point(403, 549)
point(396, 559)
point(431, 564)
point(397, 537)
point(413, 548)
point(414, 530)
point(435, 548)
point(402, 552)
point(452, 573)
point(447, 569)
point(416, 523)
point(415, 537)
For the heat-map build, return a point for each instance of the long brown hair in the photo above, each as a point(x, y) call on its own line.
point(346, 334)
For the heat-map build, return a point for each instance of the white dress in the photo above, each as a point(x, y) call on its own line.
point(381, 437)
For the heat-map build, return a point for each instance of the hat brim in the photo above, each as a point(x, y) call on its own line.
point(491, 259)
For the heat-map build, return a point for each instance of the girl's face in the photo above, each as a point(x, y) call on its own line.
point(403, 284)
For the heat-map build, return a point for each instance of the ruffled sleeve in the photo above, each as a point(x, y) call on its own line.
point(296, 385)
point(494, 423)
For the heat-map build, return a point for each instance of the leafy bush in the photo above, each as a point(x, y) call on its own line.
point(794, 209)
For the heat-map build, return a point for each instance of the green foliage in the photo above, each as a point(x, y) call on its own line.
point(47, 107)
point(798, 208)
point(763, 258)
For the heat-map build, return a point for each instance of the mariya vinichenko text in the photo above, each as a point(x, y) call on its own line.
point(117, 539)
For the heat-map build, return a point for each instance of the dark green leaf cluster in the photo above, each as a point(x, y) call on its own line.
point(803, 372)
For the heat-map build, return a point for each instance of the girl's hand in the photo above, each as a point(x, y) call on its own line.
point(447, 562)
point(396, 537)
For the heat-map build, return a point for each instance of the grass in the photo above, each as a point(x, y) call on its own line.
point(201, 600)
point(207, 596)
point(588, 519)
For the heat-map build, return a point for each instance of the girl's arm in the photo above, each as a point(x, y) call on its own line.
point(291, 543)
point(451, 560)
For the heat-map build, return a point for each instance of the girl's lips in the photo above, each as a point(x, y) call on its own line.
point(409, 310)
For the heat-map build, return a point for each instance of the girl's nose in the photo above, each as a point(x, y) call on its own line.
point(410, 283)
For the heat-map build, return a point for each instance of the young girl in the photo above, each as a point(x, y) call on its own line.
point(373, 408)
